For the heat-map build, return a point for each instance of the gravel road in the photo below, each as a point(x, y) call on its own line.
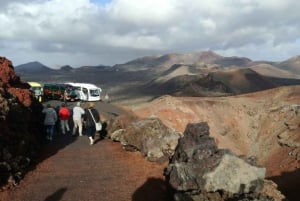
point(70, 169)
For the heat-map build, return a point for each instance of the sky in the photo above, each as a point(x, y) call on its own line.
point(108, 32)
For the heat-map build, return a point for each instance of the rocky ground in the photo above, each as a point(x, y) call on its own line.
point(263, 124)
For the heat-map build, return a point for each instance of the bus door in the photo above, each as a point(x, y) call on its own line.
point(85, 93)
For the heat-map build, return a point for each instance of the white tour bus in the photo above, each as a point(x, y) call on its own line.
point(87, 92)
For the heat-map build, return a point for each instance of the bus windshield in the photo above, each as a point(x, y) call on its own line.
point(94, 92)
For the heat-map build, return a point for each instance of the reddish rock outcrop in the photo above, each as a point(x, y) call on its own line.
point(20, 125)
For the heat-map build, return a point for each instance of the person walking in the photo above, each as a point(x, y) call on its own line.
point(91, 114)
point(64, 116)
point(78, 113)
point(106, 98)
point(49, 121)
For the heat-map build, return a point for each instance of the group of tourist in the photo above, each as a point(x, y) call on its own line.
point(81, 117)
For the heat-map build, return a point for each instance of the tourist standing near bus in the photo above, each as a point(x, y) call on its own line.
point(49, 121)
point(78, 113)
point(64, 116)
point(91, 116)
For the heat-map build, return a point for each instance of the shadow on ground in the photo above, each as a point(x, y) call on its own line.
point(153, 189)
point(56, 196)
point(289, 184)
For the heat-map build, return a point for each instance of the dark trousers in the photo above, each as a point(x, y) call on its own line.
point(90, 131)
point(49, 130)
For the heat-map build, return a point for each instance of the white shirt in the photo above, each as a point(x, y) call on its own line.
point(77, 113)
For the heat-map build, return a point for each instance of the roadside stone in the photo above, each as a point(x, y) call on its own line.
point(120, 122)
point(200, 171)
point(117, 135)
point(150, 136)
point(234, 175)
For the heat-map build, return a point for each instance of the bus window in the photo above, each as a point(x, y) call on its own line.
point(94, 92)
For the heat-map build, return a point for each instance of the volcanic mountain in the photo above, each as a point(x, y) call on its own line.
point(34, 67)
point(202, 73)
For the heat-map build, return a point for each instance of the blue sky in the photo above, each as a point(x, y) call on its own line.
point(103, 2)
point(93, 32)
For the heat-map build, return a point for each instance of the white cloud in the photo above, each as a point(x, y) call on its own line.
point(83, 32)
point(146, 13)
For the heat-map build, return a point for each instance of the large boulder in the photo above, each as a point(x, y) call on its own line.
point(199, 170)
point(150, 136)
point(234, 175)
point(121, 122)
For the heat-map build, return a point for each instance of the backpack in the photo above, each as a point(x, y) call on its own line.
point(64, 113)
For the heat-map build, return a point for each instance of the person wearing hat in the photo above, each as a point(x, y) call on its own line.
point(78, 113)
point(91, 116)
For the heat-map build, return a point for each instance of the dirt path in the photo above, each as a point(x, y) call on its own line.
point(72, 170)
point(77, 171)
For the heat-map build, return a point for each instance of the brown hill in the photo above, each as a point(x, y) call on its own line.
point(292, 65)
point(177, 74)
point(271, 71)
point(183, 80)
point(197, 58)
point(233, 61)
point(243, 80)
point(160, 67)
point(168, 60)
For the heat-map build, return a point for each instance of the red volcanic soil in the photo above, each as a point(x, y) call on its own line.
point(71, 169)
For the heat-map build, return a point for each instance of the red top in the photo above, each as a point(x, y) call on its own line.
point(64, 113)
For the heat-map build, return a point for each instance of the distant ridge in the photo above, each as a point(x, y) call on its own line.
point(220, 82)
point(36, 67)
point(168, 60)
point(272, 71)
point(243, 80)
point(66, 68)
point(33, 67)
point(292, 65)
point(233, 61)
point(194, 74)
point(163, 62)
